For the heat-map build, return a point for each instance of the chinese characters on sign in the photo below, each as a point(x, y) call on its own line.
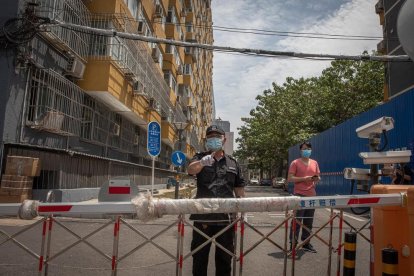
point(317, 203)
point(154, 139)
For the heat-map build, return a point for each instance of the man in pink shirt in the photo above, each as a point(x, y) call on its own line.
point(304, 173)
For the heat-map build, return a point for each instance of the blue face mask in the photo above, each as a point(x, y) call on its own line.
point(214, 144)
point(306, 153)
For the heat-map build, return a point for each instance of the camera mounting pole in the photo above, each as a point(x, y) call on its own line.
point(374, 141)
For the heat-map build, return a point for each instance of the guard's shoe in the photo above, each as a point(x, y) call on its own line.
point(308, 247)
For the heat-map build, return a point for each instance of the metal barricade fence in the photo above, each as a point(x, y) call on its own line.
point(123, 251)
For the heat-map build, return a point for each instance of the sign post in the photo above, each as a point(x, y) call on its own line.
point(178, 159)
point(153, 146)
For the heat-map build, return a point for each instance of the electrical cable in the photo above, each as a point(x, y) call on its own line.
point(312, 35)
point(258, 52)
point(354, 210)
point(384, 134)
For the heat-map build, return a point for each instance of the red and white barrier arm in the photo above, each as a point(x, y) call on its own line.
point(347, 201)
point(149, 208)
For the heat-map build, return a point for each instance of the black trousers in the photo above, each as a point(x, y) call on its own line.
point(222, 259)
point(305, 216)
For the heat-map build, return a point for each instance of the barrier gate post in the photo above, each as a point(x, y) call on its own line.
point(392, 228)
point(115, 246)
point(339, 248)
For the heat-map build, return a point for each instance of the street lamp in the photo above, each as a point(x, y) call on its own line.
point(180, 126)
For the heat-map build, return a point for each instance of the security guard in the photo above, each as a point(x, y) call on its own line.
point(218, 176)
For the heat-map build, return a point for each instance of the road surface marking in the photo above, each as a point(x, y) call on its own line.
point(349, 216)
point(277, 215)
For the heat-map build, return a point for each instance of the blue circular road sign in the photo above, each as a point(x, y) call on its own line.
point(178, 158)
point(154, 139)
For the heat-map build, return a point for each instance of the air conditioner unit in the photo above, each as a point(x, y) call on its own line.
point(142, 28)
point(52, 120)
point(116, 130)
point(152, 103)
point(136, 139)
point(137, 87)
point(129, 76)
point(156, 54)
point(75, 68)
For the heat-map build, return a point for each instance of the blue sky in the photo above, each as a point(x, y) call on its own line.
point(238, 79)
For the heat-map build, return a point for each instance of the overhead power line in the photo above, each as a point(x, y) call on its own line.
point(280, 33)
point(249, 51)
point(311, 35)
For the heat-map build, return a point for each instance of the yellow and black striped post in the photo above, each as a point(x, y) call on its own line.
point(389, 262)
point(349, 254)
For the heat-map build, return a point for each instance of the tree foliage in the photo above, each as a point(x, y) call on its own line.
point(300, 108)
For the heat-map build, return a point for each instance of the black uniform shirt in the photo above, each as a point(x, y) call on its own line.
point(217, 181)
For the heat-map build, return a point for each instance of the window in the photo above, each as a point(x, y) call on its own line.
point(132, 6)
point(54, 103)
point(172, 15)
point(187, 69)
point(171, 81)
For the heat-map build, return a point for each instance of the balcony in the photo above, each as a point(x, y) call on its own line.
point(153, 115)
point(188, 80)
point(168, 63)
point(190, 37)
point(57, 104)
point(67, 11)
point(171, 31)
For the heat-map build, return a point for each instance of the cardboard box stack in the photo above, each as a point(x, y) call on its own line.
point(17, 181)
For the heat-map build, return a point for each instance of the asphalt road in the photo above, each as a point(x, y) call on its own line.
point(82, 259)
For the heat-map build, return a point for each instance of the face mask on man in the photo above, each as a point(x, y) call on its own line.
point(306, 153)
point(214, 144)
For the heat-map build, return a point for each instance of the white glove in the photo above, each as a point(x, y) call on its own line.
point(207, 160)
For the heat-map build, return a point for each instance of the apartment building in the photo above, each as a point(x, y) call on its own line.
point(398, 75)
point(81, 101)
point(225, 125)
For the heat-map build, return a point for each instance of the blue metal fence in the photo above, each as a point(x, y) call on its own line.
point(338, 147)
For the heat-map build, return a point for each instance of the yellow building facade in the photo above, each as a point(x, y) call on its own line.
point(186, 94)
point(83, 99)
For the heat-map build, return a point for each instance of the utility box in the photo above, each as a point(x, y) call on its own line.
point(394, 227)
point(22, 166)
point(118, 189)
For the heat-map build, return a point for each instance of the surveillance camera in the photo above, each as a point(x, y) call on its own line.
point(377, 126)
point(386, 157)
point(356, 174)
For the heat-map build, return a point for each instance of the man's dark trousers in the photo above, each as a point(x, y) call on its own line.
point(306, 217)
point(222, 259)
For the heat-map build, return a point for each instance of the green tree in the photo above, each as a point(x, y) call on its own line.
point(300, 108)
